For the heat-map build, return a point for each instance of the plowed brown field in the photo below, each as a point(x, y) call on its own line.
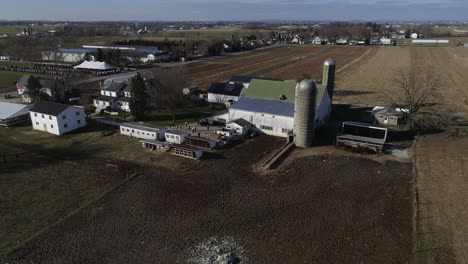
point(284, 62)
point(367, 81)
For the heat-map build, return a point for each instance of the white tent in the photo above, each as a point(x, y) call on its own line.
point(95, 65)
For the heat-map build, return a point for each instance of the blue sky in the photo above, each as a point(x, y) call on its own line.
point(93, 10)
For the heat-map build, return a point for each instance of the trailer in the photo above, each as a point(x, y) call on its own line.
point(361, 136)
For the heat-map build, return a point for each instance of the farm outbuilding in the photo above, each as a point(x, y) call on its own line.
point(186, 151)
point(200, 142)
point(175, 136)
point(240, 125)
point(156, 145)
point(12, 114)
point(388, 116)
point(142, 131)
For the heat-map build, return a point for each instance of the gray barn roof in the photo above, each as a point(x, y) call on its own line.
point(114, 86)
point(9, 110)
point(272, 107)
point(49, 108)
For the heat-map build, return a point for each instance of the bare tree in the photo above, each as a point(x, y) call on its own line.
point(165, 90)
point(416, 91)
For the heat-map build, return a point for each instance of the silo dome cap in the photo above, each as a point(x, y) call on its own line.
point(330, 62)
point(307, 85)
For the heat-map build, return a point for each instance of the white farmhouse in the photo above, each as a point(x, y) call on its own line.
point(115, 95)
point(56, 118)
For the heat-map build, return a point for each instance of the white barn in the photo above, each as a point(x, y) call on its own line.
point(57, 119)
point(269, 105)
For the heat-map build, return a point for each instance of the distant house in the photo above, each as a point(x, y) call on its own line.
point(225, 92)
point(55, 118)
point(142, 131)
point(116, 95)
point(385, 41)
point(54, 88)
point(12, 114)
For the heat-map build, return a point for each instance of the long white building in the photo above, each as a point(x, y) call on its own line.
point(57, 119)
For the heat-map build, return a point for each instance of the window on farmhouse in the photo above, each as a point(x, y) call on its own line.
point(79, 121)
point(51, 126)
point(284, 130)
point(42, 116)
point(77, 113)
point(65, 125)
point(50, 117)
point(35, 114)
point(64, 117)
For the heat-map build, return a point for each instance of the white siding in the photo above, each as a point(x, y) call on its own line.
point(280, 125)
point(140, 133)
point(58, 125)
point(175, 138)
point(219, 98)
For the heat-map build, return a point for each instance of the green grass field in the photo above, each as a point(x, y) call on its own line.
point(216, 33)
point(8, 80)
point(13, 30)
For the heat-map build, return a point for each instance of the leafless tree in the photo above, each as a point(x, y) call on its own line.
point(417, 90)
point(165, 90)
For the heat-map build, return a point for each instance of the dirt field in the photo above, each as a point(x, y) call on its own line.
point(284, 62)
point(321, 209)
point(367, 82)
point(442, 226)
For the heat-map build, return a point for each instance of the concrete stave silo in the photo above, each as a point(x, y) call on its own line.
point(328, 77)
point(304, 113)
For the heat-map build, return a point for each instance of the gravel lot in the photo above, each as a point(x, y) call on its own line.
point(320, 209)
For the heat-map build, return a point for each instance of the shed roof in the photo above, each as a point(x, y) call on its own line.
point(273, 107)
point(241, 122)
point(177, 132)
point(199, 139)
point(144, 127)
point(271, 90)
point(9, 110)
point(226, 89)
point(155, 142)
point(49, 108)
point(23, 80)
point(274, 90)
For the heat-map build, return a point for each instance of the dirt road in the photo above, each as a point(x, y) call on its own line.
point(442, 226)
